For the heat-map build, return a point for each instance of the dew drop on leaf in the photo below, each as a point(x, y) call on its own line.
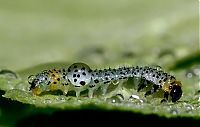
point(115, 99)
point(188, 107)
point(173, 111)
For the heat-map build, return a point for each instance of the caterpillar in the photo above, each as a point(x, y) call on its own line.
point(79, 77)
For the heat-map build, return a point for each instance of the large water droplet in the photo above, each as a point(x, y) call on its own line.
point(118, 98)
point(8, 73)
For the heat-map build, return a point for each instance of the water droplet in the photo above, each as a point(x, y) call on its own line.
point(189, 75)
point(118, 98)
point(173, 111)
point(31, 78)
point(8, 73)
point(188, 107)
point(197, 71)
point(61, 99)
point(135, 99)
point(47, 101)
point(134, 96)
point(193, 72)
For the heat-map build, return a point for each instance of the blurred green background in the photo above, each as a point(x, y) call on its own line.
point(96, 32)
point(40, 34)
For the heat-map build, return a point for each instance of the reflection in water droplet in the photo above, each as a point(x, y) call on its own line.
point(135, 99)
point(134, 96)
point(113, 100)
point(189, 75)
point(188, 107)
point(120, 96)
point(116, 99)
point(173, 111)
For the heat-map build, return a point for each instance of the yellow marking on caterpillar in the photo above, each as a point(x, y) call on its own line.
point(36, 91)
point(53, 86)
point(55, 77)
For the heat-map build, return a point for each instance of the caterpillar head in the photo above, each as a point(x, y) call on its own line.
point(176, 91)
point(79, 74)
point(39, 82)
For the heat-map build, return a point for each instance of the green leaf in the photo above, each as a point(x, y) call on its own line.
point(187, 106)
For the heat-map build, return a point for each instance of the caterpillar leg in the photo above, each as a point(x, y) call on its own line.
point(117, 91)
point(78, 91)
point(143, 83)
point(153, 90)
point(119, 87)
point(91, 92)
point(65, 89)
point(104, 88)
point(166, 95)
point(91, 89)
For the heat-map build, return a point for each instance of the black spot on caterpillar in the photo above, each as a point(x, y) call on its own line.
point(80, 77)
